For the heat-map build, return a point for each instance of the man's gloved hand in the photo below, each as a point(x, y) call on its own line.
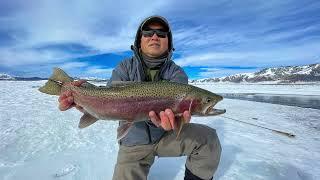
point(167, 119)
point(66, 98)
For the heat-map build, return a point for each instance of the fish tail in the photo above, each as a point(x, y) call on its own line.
point(55, 82)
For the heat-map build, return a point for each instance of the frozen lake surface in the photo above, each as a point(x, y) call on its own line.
point(39, 142)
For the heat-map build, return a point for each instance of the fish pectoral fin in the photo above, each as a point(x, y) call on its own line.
point(179, 122)
point(86, 120)
point(123, 130)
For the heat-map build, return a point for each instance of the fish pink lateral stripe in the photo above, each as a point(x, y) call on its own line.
point(130, 109)
point(188, 104)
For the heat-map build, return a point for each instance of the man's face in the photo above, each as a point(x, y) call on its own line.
point(154, 46)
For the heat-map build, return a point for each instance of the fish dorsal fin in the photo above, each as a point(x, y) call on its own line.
point(123, 130)
point(86, 120)
point(60, 75)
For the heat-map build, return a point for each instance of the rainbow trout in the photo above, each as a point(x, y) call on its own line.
point(132, 102)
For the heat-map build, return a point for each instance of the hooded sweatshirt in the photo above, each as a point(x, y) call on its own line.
point(137, 68)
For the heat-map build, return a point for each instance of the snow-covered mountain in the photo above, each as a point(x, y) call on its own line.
point(6, 77)
point(17, 78)
point(288, 74)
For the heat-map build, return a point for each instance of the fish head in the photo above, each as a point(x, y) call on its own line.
point(204, 102)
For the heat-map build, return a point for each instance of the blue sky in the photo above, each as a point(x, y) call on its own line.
point(211, 38)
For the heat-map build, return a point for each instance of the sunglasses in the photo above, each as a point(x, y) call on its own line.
point(161, 33)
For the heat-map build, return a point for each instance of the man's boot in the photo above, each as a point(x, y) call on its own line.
point(189, 176)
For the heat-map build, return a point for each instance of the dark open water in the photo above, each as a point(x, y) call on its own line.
point(305, 101)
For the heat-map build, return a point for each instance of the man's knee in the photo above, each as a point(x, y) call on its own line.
point(205, 156)
point(206, 142)
point(213, 141)
point(203, 134)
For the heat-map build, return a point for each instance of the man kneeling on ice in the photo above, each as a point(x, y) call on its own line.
point(151, 61)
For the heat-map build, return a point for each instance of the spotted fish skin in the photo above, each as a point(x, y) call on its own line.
point(132, 101)
point(129, 109)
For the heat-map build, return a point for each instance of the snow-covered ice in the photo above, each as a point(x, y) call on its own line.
point(39, 142)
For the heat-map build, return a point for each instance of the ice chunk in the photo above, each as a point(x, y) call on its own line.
point(66, 170)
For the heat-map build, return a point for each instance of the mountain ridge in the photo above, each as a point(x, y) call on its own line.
point(285, 74)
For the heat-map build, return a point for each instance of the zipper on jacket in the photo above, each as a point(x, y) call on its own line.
point(149, 133)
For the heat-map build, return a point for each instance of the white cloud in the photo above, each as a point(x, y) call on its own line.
point(73, 65)
point(99, 70)
point(192, 39)
point(281, 56)
point(272, 37)
point(212, 33)
point(14, 57)
point(96, 71)
point(104, 26)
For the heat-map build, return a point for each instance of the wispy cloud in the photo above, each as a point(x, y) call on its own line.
point(97, 71)
point(206, 33)
point(262, 58)
point(73, 65)
point(11, 57)
point(102, 27)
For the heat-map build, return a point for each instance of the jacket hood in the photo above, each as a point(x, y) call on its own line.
point(147, 21)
